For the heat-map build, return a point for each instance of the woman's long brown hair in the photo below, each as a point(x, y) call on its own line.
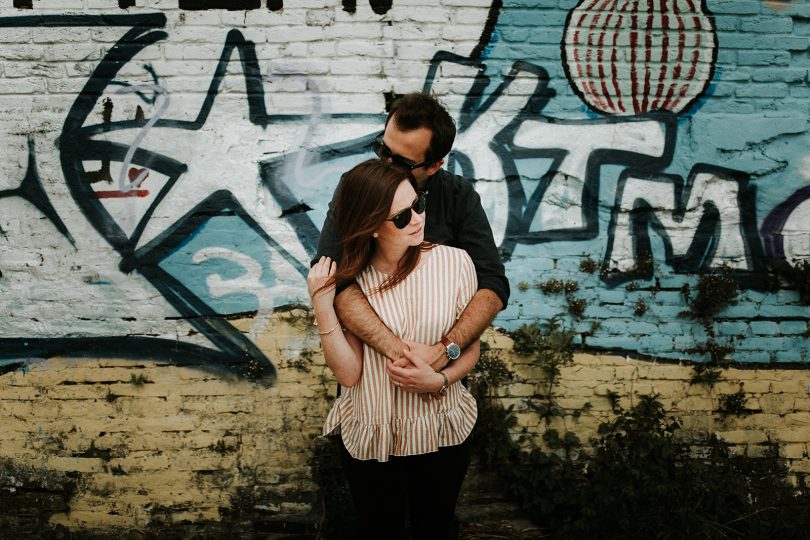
point(362, 204)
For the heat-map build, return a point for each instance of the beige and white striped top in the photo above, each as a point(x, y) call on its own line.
point(375, 418)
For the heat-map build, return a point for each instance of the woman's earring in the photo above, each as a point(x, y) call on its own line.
point(375, 235)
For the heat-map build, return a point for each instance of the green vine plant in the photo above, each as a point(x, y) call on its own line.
point(552, 348)
point(703, 374)
point(718, 352)
point(715, 292)
point(640, 307)
point(138, 380)
point(576, 306)
point(557, 286)
point(733, 404)
point(588, 265)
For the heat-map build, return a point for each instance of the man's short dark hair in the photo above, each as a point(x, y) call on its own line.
point(417, 110)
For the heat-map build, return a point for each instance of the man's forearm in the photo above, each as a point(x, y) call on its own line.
point(476, 317)
point(359, 317)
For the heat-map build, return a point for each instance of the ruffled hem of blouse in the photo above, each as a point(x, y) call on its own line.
point(401, 436)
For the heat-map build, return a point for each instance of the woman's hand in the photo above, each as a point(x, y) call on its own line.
point(434, 354)
point(418, 377)
point(318, 275)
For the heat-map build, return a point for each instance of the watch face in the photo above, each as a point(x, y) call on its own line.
point(453, 351)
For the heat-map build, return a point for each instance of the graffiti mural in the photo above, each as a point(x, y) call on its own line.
point(671, 48)
point(181, 198)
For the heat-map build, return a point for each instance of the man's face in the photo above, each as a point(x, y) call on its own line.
point(412, 145)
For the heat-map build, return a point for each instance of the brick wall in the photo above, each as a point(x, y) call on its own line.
point(167, 165)
point(106, 444)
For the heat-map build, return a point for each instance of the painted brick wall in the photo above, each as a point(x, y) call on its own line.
point(167, 165)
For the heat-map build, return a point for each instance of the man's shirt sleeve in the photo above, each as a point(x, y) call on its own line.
point(474, 235)
point(328, 241)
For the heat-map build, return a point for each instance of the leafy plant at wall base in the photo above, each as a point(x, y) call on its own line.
point(490, 369)
point(639, 479)
point(491, 441)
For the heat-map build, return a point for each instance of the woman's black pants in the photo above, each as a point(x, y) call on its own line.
point(420, 491)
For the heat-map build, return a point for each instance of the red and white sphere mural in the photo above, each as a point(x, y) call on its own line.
point(629, 57)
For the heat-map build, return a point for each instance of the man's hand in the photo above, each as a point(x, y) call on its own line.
point(418, 377)
point(433, 355)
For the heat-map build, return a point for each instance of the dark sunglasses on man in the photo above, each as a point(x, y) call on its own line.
point(402, 218)
point(382, 151)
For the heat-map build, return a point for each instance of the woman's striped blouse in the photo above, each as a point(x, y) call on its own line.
point(375, 418)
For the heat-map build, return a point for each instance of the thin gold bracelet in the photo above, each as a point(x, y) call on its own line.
point(330, 330)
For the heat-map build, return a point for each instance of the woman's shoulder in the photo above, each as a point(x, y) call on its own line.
point(452, 253)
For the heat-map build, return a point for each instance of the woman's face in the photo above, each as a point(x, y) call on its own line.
point(413, 232)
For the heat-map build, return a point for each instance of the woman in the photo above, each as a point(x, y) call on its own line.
point(403, 428)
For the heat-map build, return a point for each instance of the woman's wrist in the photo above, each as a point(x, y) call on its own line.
point(442, 378)
point(323, 311)
point(326, 320)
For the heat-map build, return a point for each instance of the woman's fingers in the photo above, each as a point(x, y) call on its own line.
point(323, 269)
point(319, 275)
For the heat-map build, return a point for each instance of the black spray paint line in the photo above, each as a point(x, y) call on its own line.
point(147, 20)
point(31, 190)
point(380, 7)
point(125, 347)
point(775, 222)
point(230, 5)
point(489, 28)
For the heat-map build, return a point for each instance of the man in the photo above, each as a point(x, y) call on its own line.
point(418, 135)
